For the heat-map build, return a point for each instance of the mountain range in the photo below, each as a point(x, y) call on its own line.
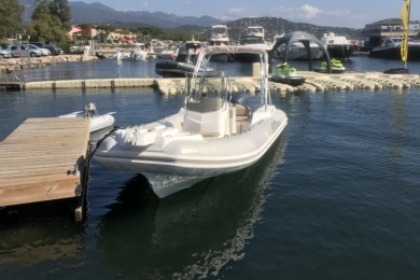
point(100, 14)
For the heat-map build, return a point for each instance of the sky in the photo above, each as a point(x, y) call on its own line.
point(337, 13)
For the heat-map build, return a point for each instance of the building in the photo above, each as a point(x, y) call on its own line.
point(77, 33)
point(376, 32)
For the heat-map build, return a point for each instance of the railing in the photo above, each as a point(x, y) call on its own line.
point(54, 73)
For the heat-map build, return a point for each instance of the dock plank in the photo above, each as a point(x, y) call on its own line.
point(38, 157)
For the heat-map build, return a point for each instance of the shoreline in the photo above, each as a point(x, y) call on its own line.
point(8, 65)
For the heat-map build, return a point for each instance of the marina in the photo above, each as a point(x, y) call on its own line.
point(339, 183)
point(254, 141)
point(315, 82)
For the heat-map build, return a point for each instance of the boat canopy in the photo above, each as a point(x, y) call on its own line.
point(252, 49)
point(305, 38)
point(205, 51)
point(260, 50)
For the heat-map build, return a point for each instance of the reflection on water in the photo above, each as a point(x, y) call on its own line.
point(29, 237)
point(193, 234)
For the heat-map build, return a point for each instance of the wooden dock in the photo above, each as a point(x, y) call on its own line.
point(43, 160)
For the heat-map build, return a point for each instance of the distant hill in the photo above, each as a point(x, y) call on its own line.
point(277, 25)
point(97, 13)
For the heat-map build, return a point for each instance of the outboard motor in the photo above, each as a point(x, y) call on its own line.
point(238, 98)
point(90, 109)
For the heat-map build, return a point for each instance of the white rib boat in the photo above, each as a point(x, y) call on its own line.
point(212, 134)
point(97, 121)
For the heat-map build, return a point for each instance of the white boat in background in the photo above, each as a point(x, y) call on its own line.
point(97, 121)
point(252, 36)
point(337, 46)
point(298, 51)
point(167, 53)
point(212, 134)
point(139, 53)
point(219, 37)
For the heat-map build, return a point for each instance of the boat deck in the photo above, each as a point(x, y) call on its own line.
point(42, 159)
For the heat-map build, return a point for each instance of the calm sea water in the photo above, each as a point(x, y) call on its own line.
point(337, 196)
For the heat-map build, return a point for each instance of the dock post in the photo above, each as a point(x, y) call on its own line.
point(79, 211)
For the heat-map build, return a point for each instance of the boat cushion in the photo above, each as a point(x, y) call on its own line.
point(205, 105)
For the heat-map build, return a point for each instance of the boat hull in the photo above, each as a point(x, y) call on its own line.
point(97, 122)
point(395, 53)
point(101, 122)
point(340, 50)
point(185, 161)
point(172, 68)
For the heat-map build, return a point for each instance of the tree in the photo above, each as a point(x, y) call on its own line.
point(46, 26)
point(49, 29)
point(148, 33)
point(41, 10)
point(10, 18)
point(61, 9)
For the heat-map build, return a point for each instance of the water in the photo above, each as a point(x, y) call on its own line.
point(134, 69)
point(337, 197)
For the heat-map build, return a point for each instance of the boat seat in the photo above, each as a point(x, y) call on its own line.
point(205, 105)
point(242, 112)
point(243, 115)
point(242, 126)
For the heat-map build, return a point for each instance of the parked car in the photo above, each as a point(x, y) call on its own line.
point(22, 50)
point(44, 51)
point(52, 47)
point(5, 53)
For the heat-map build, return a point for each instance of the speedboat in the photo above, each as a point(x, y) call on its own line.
point(391, 49)
point(183, 64)
point(97, 121)
point(213, 133)
point(286, 74)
